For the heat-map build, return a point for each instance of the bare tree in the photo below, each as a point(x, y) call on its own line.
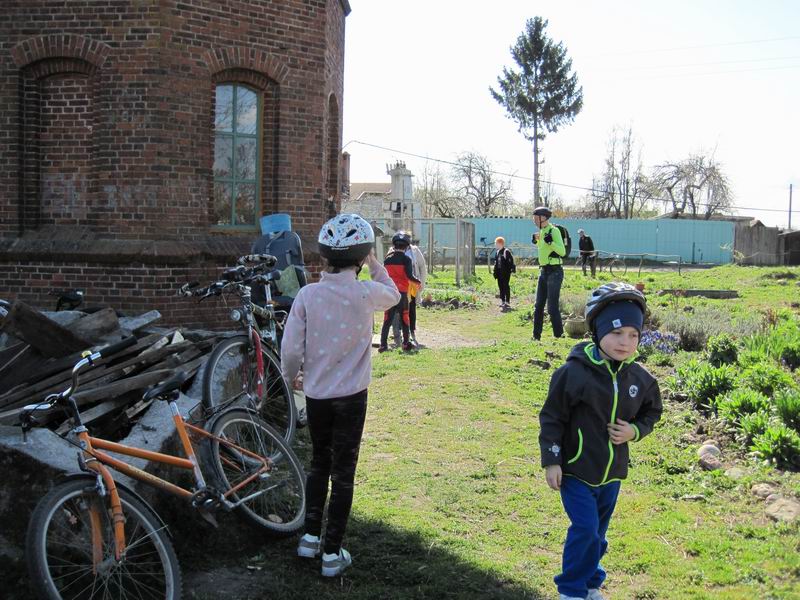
point(481, 190)
point(623, 190)
point(432, 190)
point(697, 185)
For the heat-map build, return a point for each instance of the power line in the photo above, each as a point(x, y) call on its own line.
point(666, 201)
point(699, 64)
point(720, 45)
point(673, 75)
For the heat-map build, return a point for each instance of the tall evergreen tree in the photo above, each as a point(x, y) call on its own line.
point(543, 93)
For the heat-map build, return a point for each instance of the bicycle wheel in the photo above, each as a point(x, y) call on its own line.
point(60, 548)
point(617, 267)
point(276, 501)
point(230, 377)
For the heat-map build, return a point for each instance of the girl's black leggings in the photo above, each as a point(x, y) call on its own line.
point(335, 425)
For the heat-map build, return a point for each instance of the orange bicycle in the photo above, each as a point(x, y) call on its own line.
point(93, 537)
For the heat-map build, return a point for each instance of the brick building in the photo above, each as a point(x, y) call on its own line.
point(141, 140)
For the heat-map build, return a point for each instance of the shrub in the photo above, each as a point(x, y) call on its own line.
point(740, 402)
point(753, 425)
point(766, 378)
point(703, 382)
point(790, 355)
point(779, 445)
point(696, 327)
point(787, 403)
point(661, 359)
point(572, 304)
point(722, 350)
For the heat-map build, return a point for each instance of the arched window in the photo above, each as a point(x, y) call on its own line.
point(237, 172)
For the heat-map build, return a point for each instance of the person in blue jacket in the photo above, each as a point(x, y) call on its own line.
point(599, 401)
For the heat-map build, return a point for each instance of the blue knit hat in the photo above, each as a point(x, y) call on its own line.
point(618, 314)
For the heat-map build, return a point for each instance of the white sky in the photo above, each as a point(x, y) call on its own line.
point(417, 74)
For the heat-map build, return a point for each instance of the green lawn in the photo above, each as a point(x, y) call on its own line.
point(451, 501)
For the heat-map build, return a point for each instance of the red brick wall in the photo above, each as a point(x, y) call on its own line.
point(106, 138)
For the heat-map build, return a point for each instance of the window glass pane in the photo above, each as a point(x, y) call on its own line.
point(223, 156)
point(246, 155)
point(223, 111)
point(222, 203)
point(245, 204)
point(246, 111)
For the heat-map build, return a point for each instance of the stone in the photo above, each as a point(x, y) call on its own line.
point(708, 449)
point(736, 473)
point(711, 442)
point(709, 462)
point(773, 498)
point(762, 490)
point(784, 510)
point(543, 364)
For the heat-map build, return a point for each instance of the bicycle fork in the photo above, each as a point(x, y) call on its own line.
point(105, 487)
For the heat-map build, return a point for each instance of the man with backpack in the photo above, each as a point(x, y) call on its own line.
point(588, 253)
point(550, 241)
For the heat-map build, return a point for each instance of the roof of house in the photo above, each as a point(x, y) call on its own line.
point(357, 189)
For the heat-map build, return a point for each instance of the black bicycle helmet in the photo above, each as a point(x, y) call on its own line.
point(346, 240)
point(542, 211)
point(611, 292)
point(401, 239)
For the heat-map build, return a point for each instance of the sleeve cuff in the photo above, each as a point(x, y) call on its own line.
point(638, 433)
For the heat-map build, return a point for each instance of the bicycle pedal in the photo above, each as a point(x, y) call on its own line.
point(209, 518)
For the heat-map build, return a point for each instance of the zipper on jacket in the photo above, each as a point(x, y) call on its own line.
point(613, 420)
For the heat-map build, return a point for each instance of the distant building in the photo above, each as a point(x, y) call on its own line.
point(392, 203)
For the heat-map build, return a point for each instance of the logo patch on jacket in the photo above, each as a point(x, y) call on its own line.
point(634, 389)
point(555, 449)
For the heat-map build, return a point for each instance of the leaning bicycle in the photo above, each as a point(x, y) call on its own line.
point(245, 369)
point(93, 537)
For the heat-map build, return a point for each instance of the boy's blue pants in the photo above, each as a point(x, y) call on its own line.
point(589, 509)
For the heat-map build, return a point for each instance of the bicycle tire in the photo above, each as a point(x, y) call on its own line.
point(230, 379)
point(618, 266)
point(278, 512)
point(62, 520)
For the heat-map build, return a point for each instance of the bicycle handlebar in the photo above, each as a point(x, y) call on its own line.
point(266, 259)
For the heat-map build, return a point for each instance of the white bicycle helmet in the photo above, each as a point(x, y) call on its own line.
point(346, 240)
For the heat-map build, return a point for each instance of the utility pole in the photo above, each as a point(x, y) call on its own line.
point(790, 207)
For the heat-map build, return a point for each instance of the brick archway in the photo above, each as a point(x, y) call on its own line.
point(65, 46)
point(242, 58)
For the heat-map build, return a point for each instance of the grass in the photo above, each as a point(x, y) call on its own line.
point(451, 501)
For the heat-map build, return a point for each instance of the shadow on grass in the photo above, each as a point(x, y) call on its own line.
point(387, 563)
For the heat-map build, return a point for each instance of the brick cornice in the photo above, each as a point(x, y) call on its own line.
point(251, 59)
point(66, 45)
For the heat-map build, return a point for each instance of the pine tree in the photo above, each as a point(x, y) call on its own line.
point(542, 94)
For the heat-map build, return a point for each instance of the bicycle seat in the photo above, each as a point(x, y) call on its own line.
point(162, 390)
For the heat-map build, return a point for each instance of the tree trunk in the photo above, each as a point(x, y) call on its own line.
point(536, 200)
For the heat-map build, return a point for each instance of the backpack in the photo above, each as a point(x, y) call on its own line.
point(567, 242)
point(287, 248)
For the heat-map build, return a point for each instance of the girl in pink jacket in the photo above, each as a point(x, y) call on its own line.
point(329, 336)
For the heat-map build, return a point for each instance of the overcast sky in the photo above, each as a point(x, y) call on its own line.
point(688, 75)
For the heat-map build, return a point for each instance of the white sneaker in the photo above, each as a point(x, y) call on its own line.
point(309, 546)
point(594, 594)
point(334, 564)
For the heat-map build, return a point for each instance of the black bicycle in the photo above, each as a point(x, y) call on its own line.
point(245, 369)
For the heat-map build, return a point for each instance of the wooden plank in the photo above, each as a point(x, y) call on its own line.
point(95, 413)
point(24, 366)
point(94, 326)
point(57, 382)
point(48, 337)
point(116, 388)
point(134, 324)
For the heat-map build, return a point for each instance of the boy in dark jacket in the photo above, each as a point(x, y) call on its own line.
point(400, 269)
point(503, 268)
point(598, 401)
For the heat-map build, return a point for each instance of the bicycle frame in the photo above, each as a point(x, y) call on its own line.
point(94, 459)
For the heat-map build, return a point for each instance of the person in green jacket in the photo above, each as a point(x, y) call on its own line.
point(551, 275)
